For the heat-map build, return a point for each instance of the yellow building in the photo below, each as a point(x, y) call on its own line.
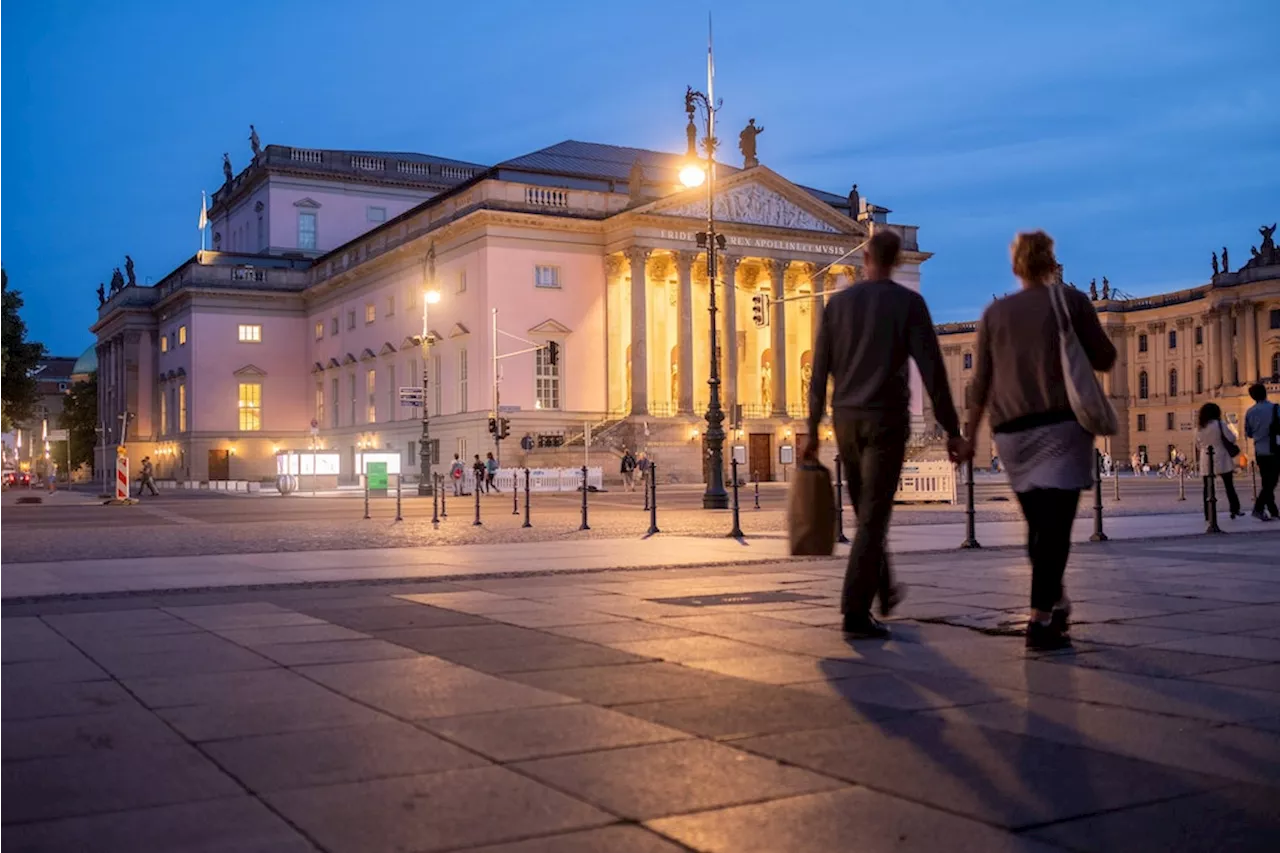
point(1178, 351)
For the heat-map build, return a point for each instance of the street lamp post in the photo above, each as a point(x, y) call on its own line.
point(425, 484)
point(693, 174)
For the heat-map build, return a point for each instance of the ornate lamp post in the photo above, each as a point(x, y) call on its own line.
point(692, 175)
point(425, 485)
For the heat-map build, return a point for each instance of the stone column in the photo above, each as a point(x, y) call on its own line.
point(778, 335)
point(727, 272)
point(638, 257)
point(684, 270)
point(817, 305)
point(1251, 369)
point(1226, 345)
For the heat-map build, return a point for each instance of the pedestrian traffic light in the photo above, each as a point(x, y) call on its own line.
point(760, 309)
point(553, 353)
point(493, 426)
point(504, 427)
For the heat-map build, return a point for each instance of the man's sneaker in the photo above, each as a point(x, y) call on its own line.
point(864, 626)
point(1045, 638)
point(1260, 515)
point(889, 603)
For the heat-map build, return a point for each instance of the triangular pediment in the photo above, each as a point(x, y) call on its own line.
point(333, 362)
point(550, 327)
point(757, 196)
point(317, 367)
point(348, 359)
point(367, 354)
point(309, 203)
point(387, 349)
point(458, 331)
point(250, 370)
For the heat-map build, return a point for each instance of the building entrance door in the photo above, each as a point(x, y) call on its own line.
point(759, 456)
point(219, 464)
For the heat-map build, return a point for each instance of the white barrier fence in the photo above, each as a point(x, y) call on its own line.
point(246, 486)
point(923, 482)
point(540, 479)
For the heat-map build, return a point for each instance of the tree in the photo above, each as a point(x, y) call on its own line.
point(80, 418)
point(18, 360)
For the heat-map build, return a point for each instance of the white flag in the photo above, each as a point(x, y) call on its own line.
point(204, 211)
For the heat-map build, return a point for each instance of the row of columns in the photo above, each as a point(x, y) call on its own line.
point(638, 257)
point(1233, 338)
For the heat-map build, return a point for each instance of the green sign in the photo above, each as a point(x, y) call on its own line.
point(376, 472)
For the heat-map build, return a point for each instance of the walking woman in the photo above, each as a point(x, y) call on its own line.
point(1214, 433)
point(1048, 455)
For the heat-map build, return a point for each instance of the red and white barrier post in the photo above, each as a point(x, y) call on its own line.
point(122, 474)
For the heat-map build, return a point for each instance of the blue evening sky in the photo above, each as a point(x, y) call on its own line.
point(1142, 135)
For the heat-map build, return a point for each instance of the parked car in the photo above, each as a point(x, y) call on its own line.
point(17, 478)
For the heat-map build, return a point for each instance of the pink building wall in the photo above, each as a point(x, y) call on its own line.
point(343, 213)
point(216, 355)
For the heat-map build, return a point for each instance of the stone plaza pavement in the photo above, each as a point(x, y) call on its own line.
point(713, 709)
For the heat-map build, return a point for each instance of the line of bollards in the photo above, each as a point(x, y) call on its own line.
point(756, 477)
point(1098, 535)
point(1210, 499)
point(366, 496)
point(736, 532)
point(476, 523)
point(527, 522)
point(970, 510)
point(399, 517)
point(653, 499)
point(584, 525)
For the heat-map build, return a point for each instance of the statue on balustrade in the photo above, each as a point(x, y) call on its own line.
point(128, 271)
point(855, 202)
point(747, 144)
point(227, 174)
point(1265, 255)
point(1106, 288)
point(1226, 265)
point(1215, 263)
point(102, 294)
point(254, 142)
point(1093, 290)
point(117, 280)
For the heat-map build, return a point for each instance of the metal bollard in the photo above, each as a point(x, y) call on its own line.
point(756, 478)
point(647, 482)
point(840, 537)
point(1115, 475)
point(515, 495)
point(1182, 482)
point(435, 502)
point(444, 507)
point(653, 500)
point(527, 522)
point(584, 525)
point(736, 532)
point(1211, 499)
point(476, 523)
point(970, 512)
point(366, 497)
point(399, 517)
point(1098, 535)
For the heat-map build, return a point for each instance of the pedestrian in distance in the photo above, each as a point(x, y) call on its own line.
point(1020, 384)
point(1262, 425)
point(642, 465)
point(490, 472)
point(1216, 434)
point(628, 469)
point(478, 472)
point(146, 480)
point(867, 334)
point(456, 472)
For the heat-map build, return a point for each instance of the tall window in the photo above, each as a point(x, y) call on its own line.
point(164, 413)
point(370, 312)
point(319, 330)
point(546, 380)
point(1168, 420)
point(182, 407)
point(393, 403)
point(333, 325)
point(462, 380)
point(250, 334)
point(371, 396)
point(391, 305)
point(1275, 367)
point(351, 387)
point(164, 343)
point(250, 406)
point(306, 230)
point(351, 318)
point(1275, 318)
point(462, 281)
point(1142, 343)
point(1199, 378)
point(319, 402)
point(1173, 382)
point(546, 276)
point(335, 399)
point(182, 336)
point(1173, 339)
point(1142, 423)
point(1199, 335)
point(1142, 385)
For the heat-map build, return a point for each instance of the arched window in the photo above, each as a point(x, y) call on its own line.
point(1199, 378)
point(1142, 385)
point(1173, 382)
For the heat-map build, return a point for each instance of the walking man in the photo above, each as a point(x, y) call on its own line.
point(147, 479)
point(1262, 424)
point(867, 334)
point(456, 470)
point(628, 470)
point(479, 472)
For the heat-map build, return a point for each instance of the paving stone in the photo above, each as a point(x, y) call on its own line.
point(784, 668)
point(488, 636)
point(106, 781)
point(542, 656)
point(1153, 661)
point(253, 614)
point(290, 712)
point(274, 634)
point(325, 757)
point(239, 824)
point(225, 658)
point(1264, 677)
point(624, 631)
point(419, 688)
point(440, 811)
point(692, 648)
point(388, 618)
point(1216, 621)
point(644, 782)
point(629, 683)
point(335, 651)
point(1242, 819)
point(135, 622)
point(733, 625)
point(847, 819)
point(905, 690)
point(17, 676)
point(243, 687)
point(1237, 646)
point(553, 617)
point(997, 777)
point(1127, 633)
point(30, 701)
point(608, 839)
point(124, 729)
point(106, 648)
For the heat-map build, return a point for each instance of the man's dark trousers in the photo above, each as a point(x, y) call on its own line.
point(872, 447)
point(1268, 472)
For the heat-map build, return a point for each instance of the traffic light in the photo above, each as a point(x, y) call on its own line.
point(553, 353)
point(504, 427)
point(760, 310)
point(493, 426)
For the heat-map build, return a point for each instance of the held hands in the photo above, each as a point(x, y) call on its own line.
point(809, 452)
point(959, 450)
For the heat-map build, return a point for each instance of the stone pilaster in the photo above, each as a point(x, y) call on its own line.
point(1250, 368)
point(638, 257)
point(778, 335)
point(684, 270)
point(819, 279)
point(727, 272)
point(1226, 346)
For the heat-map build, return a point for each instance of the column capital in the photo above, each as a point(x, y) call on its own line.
point(684, 259)
point(613, 265)
point(637, 255)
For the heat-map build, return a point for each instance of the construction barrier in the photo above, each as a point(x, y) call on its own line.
point(926, 482)
point(540, 479)
point(122, 477)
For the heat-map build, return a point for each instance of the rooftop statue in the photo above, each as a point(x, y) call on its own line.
point(747, 144)
point(254, 142)
point(128, 271)
point(226, 167)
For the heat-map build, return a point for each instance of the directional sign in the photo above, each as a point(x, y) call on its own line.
point(57, 435)
point(411, 395)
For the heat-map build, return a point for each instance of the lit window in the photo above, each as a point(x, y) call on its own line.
point(250, 406)
point(319, 330)
point(164, 343)
point(462, 380)
point(306, 230)
point(333, 325)
point(391, 306)
point(546, 380)
point(182, 336)
point(320, 402)
point(370, 312)
point(546, 276)
point(182, 407)
point(250, 334)
point(164, 413)
point(462, 281)
point(371, 390)
point(376, 214)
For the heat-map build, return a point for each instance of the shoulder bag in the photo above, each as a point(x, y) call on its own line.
point(1088, 401)
point(1233, 449)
